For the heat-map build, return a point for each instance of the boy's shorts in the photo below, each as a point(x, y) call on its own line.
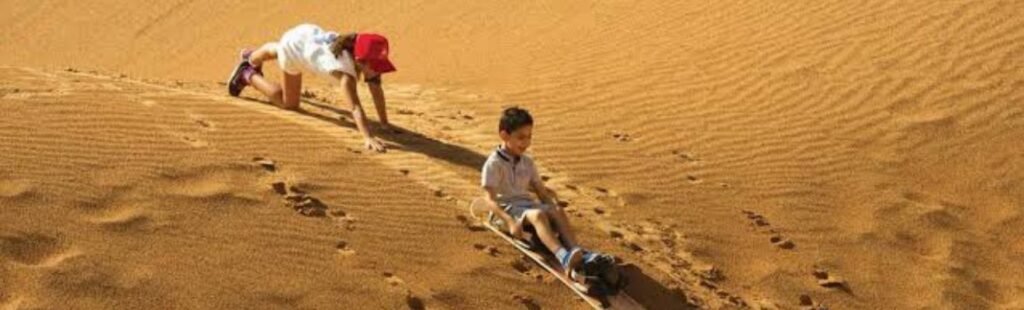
point(517, 209)
point(290, 48)
point(306, 48)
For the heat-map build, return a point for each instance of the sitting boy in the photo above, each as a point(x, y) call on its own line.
point(509, 175)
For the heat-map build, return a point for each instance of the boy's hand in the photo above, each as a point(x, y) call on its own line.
point(515, 228)
point(375, 145)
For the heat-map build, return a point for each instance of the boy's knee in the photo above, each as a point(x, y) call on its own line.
point(537, 216)
point(270, 48)
point(276, 94)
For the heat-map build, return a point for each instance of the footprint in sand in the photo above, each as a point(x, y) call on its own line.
point(469, 224)
point(633, 246)
point(266, 163)
point(806, 303)
point(621, 137)
point(776, 238)
point(688, 157)
point(411, 300)
point(193, 141)
point(489, 250)
point(344, 249)
point(525, 268)
point(202, 122)
point(343, 219)
point(782, 242)
point(526, 301)
point(301, 202)
point(414, 303)
point(758, 219)
point(306, 205)
point(828, 280)
point(391, 279)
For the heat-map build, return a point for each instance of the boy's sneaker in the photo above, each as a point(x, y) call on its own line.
point(239, 78)
point(570, 260)
point(597, 263)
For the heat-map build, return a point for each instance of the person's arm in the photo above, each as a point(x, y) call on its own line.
point(542, 192)
point(348, 85)
point(377, 92)
point(514, 228)
point(490, 180)
point(537, 185)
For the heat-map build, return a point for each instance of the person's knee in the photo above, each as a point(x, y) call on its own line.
point(266, 52)
point(276, 95)
point(537, 217)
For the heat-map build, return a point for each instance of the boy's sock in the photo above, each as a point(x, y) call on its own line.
point(564, 255)
point(560, 254)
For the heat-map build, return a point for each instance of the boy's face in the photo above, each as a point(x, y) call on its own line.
point(518, 140)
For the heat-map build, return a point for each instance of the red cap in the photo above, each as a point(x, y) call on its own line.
point(373, 49)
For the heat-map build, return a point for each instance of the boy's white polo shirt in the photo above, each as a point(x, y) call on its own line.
point(510, 177)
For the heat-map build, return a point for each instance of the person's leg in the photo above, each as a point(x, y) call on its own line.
point(570, 257)
point(540, 221)
point(264, 53)
point(254, 76)
point(292, 91)
point(268, 88)
point(565, 233)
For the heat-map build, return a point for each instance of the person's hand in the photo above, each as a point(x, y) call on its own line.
point(374, 145)
point(515, 229)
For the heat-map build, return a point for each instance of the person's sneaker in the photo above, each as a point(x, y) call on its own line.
point(240, 76)
point(244, 55)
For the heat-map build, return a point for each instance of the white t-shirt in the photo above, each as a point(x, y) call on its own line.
point(510, 177)
point(306, 48)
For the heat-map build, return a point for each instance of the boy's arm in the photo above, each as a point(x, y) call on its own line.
point(492, 204)
point(543, 194)
point(348, 85)
point(377, 92)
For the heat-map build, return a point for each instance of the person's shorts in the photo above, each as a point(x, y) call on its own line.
point(290, 47)
point(518, 209)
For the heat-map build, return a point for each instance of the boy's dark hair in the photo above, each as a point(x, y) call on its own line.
point(514, 118)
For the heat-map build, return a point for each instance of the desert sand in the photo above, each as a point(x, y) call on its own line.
point(735, 154)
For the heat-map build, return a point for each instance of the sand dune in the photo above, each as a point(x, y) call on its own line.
point(864, 155)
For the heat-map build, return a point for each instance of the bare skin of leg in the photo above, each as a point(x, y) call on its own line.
point(292, 90)
point(271, 89)
point(562, 225)
point(541, 222)
point(547, 234)
point(286, 97)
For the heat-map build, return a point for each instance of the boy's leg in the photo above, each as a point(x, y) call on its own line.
point(272, 90)
point(264, 53)
point(540, 221)
point(570, 257)
point(565, 232)
point(292, 90)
